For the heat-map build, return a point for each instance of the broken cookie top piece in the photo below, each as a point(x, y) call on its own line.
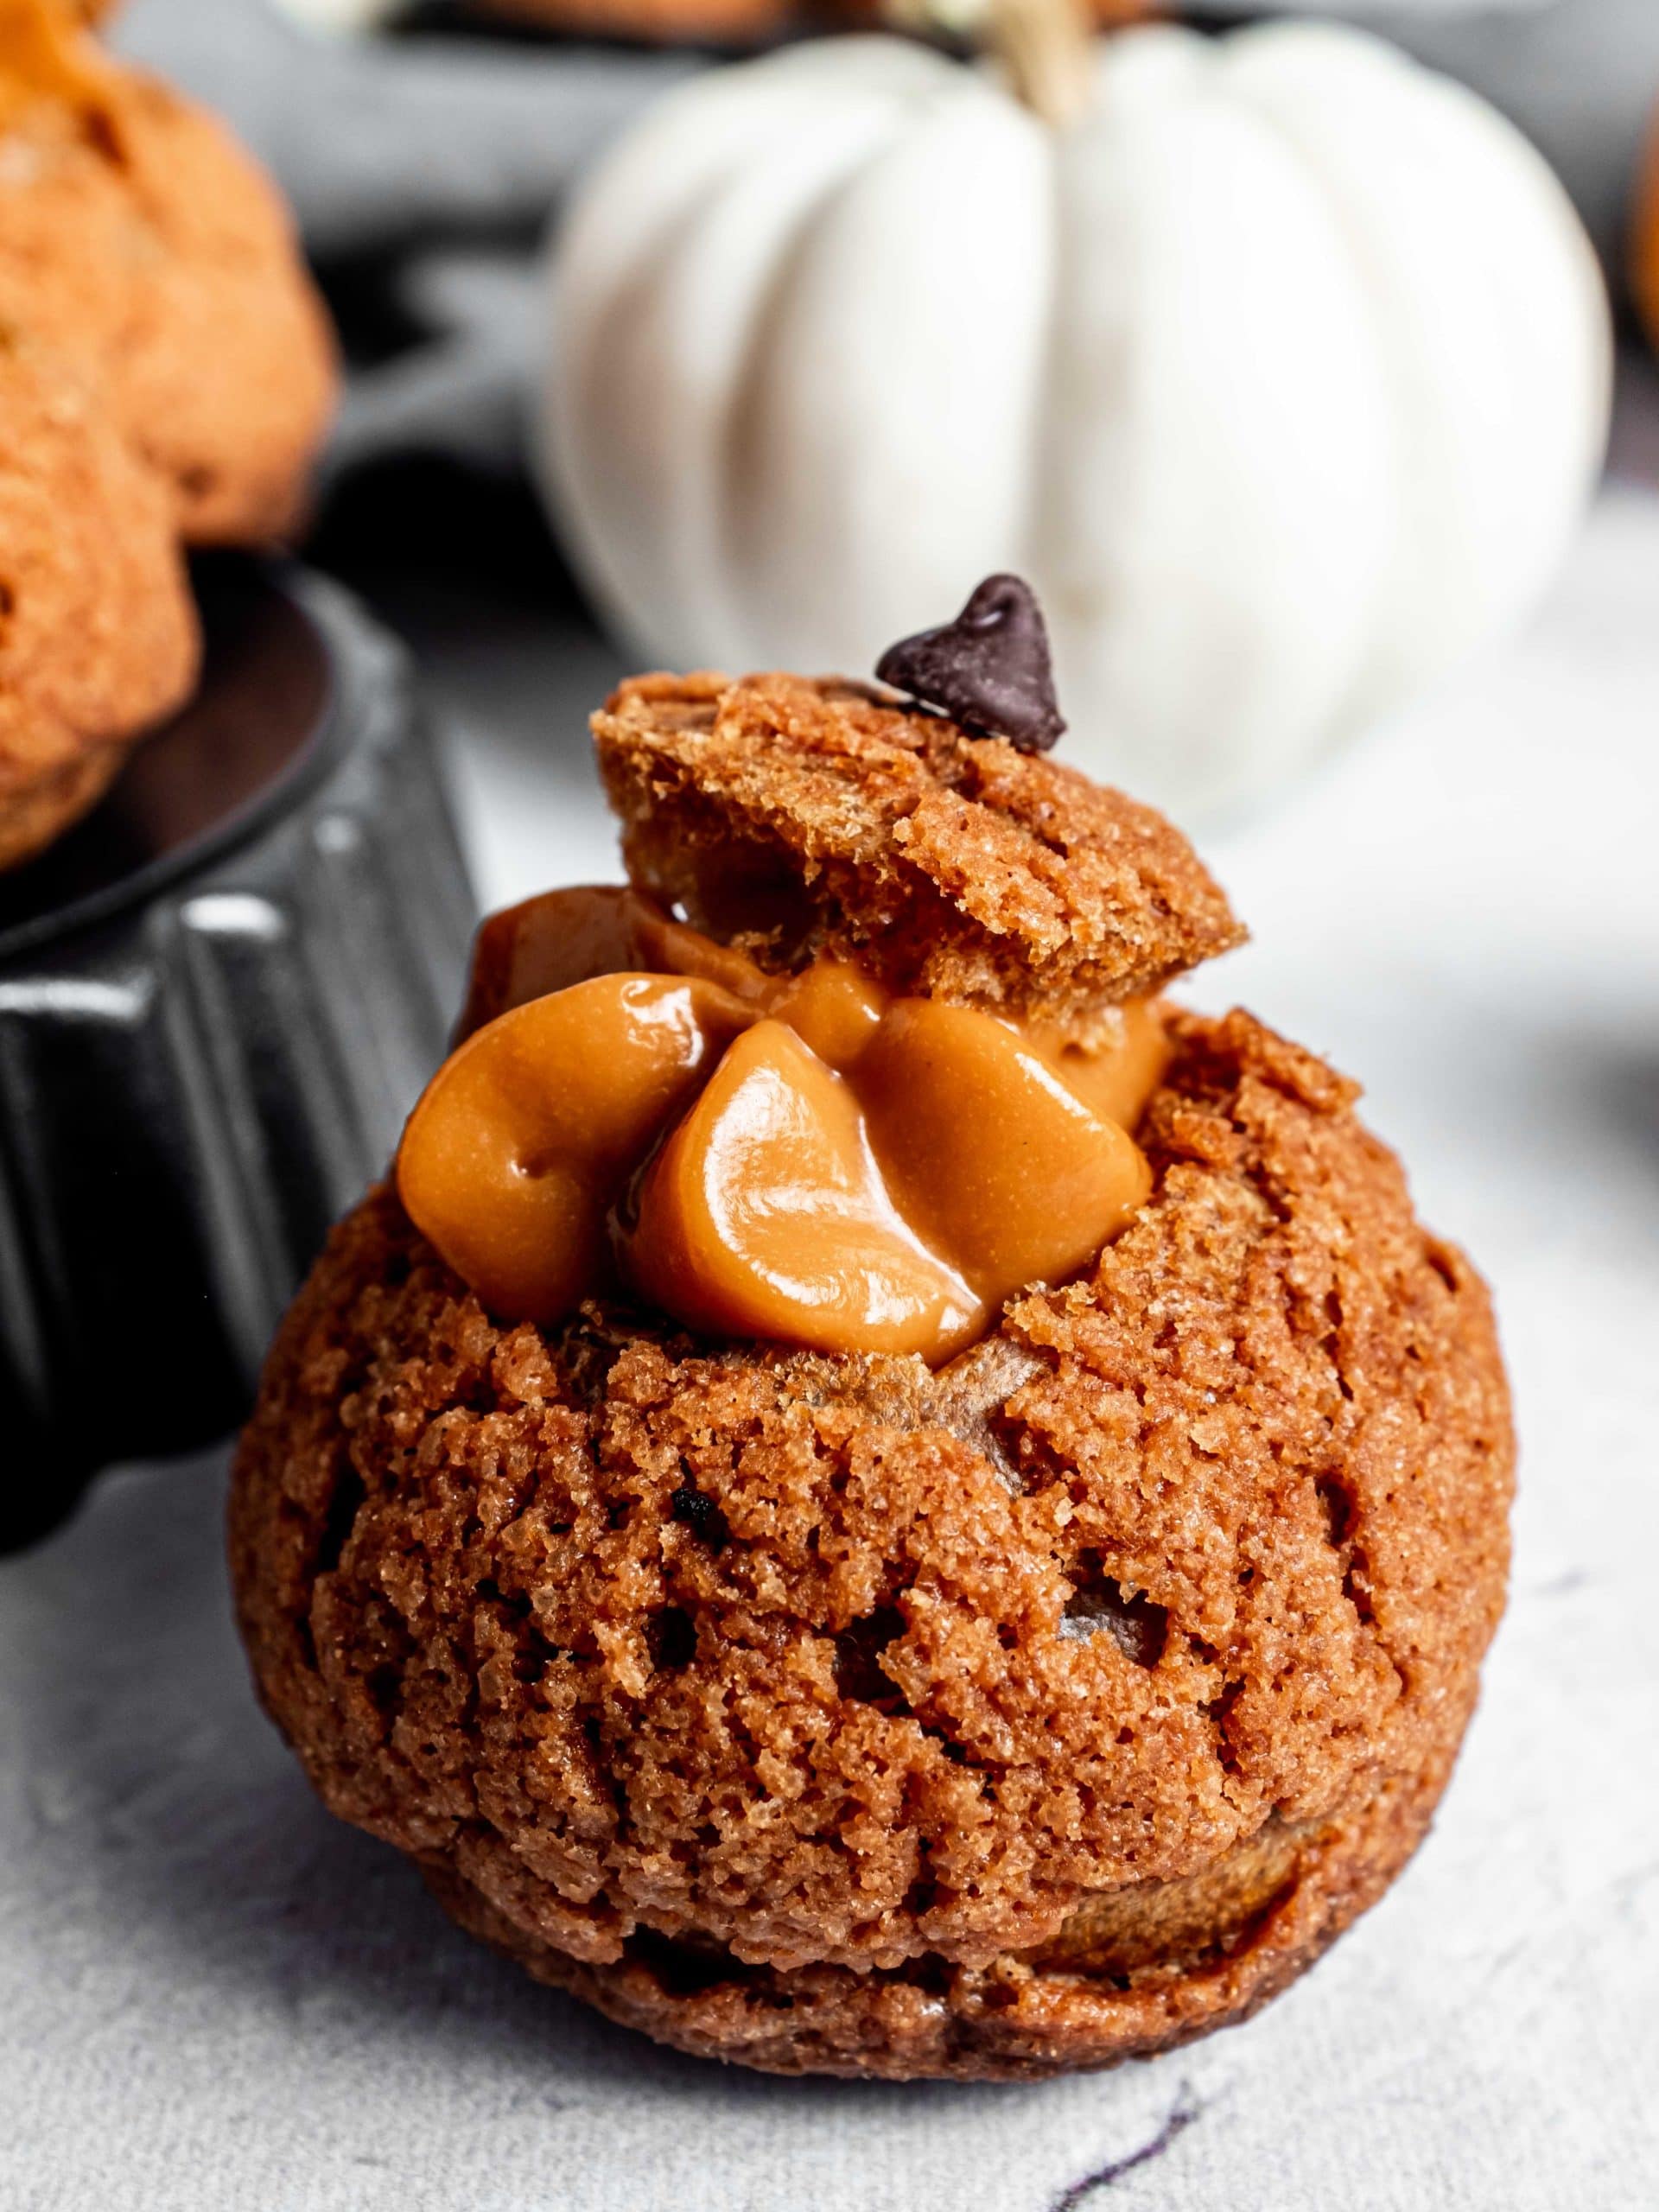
point(802, 819)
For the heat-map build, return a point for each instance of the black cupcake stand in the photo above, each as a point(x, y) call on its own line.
point(219, 995)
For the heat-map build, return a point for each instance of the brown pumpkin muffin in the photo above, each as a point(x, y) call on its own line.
point(97, 629)
point(829, 1714)
point(137, 241)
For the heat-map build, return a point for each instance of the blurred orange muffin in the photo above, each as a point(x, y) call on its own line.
point(1644, 247)
point(140, 242)
point(741, 21)
point(97, 629)
point(170, 374)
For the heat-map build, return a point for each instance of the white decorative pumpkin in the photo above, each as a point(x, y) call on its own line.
point(1282, 373)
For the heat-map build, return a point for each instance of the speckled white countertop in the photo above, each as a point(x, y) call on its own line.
point(212, 1998)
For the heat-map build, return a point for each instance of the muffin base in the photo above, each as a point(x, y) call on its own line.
point(1021, 2019)
point(830, 1715)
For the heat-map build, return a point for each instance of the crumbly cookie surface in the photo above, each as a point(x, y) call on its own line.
point(151, 251)
point(826, 1714)
point(803, 818)
point(97, 629)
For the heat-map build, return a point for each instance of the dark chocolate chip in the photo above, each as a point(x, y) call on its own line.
point(671, 1639)
point(989, 670)
point(700, 1516)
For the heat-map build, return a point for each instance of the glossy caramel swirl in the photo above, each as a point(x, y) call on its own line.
point(800, 1158)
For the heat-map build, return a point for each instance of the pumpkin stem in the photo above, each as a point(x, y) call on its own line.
point(1047, 46)
point(1043, 45)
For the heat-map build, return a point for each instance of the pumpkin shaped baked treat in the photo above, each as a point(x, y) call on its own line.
point(97, 629)
point(139, 241)
point(872, 1497)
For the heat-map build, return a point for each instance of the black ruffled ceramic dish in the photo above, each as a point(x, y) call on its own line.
point(218, 996)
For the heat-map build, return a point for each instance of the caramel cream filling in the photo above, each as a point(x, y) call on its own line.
point(802, 1158)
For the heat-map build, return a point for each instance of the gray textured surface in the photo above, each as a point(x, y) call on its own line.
point(211, 1997)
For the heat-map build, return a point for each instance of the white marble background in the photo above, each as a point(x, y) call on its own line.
point(212, 1998)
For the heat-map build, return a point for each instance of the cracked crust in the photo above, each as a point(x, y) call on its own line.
point(826, 1715)
point(97, 631)
point(800, 818)
point(142, 243)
